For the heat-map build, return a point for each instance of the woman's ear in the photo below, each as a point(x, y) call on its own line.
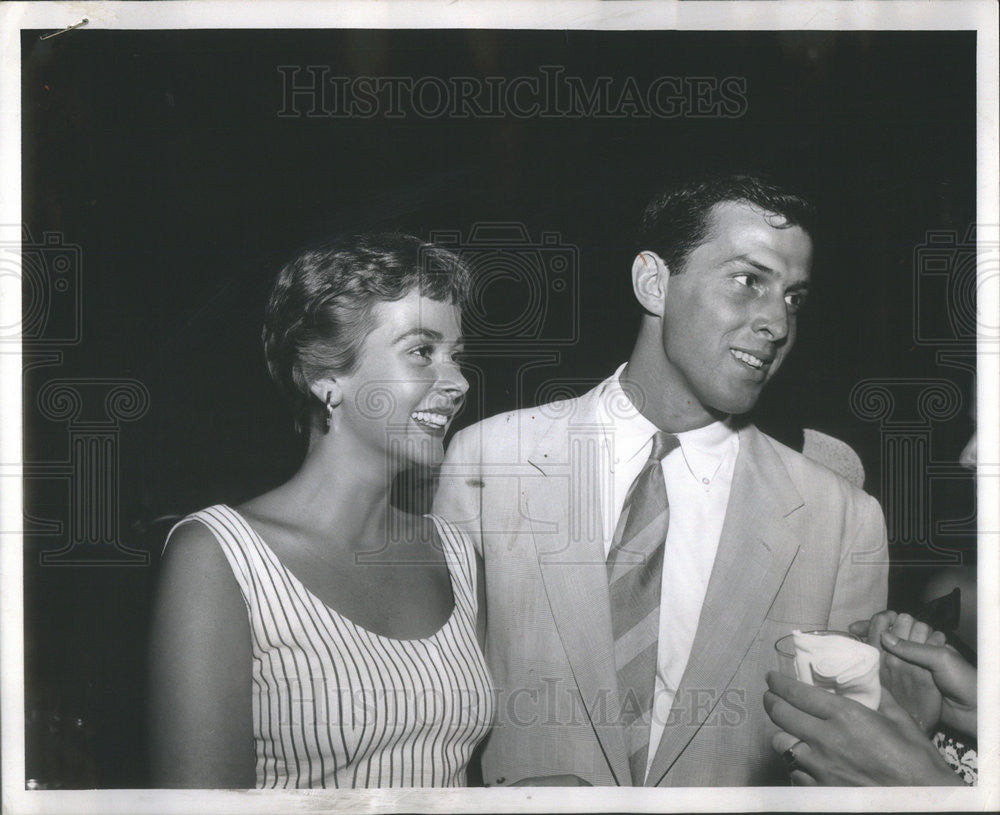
point(649, 281)
point(327, 391)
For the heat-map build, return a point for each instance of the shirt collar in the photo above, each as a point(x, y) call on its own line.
point(629, 433)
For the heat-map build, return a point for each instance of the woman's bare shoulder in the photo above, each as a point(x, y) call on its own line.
point(195, 573)
point(272, 514)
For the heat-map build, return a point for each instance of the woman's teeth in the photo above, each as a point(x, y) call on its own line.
point(749, 359)
point(435, 420)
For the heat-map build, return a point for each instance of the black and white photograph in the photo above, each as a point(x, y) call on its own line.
point(446, 407)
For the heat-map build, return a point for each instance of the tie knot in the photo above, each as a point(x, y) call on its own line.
point(663, 443)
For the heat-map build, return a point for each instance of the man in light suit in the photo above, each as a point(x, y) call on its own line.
point(758, 540)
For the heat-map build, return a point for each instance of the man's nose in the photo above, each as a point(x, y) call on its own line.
point(772, 318)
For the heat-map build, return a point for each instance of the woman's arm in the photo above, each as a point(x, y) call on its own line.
point(481, 602)
point(200, 705)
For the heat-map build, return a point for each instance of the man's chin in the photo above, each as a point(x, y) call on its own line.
point(734, 404)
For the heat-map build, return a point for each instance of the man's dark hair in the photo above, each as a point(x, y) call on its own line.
point(676, 219)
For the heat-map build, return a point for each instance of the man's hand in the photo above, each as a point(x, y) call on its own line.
point(834, 741)
point(567, 780)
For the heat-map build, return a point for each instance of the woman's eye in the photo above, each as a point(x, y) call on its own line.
point(746, 279)
point(795, 300)
point(423, 351)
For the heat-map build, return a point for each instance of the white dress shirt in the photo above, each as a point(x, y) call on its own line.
point(698, 476)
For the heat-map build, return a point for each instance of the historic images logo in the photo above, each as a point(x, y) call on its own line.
point(314, 91)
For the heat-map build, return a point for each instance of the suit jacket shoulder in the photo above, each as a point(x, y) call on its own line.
point(513, 436)
point(814, 481)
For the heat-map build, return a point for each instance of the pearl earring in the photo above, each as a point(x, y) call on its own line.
point(329, 410)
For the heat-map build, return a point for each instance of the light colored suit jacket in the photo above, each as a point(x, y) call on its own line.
point(800, 548)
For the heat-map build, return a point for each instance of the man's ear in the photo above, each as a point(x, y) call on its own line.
point(649, 281)
point(327, 390)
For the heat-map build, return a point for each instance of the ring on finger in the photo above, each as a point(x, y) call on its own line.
point(789, 756)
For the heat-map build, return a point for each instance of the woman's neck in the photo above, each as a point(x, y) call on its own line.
point(342, 491)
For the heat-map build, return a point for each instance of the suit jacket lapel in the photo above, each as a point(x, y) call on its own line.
point(755, 551)
point(567, 527)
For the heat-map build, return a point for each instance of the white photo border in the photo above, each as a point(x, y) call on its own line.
point(538, 14)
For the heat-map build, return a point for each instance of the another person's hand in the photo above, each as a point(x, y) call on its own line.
point(830, 740)
point(567, 780)
point(928, 678)
point(953, 676)
point(911, 685)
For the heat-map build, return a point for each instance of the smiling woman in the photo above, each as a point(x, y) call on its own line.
point(316, 636)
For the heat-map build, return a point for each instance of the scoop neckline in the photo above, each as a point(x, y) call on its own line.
point(438, 522)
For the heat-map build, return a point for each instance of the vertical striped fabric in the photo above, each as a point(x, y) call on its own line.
point(336, 705)
point(635, 570)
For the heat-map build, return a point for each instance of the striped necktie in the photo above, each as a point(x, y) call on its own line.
point(635, 569)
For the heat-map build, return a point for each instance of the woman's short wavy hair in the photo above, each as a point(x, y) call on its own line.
point(320, 308)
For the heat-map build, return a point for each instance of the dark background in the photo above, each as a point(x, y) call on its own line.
point(163, 157)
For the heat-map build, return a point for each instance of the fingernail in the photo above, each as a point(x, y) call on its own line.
point(889, 638)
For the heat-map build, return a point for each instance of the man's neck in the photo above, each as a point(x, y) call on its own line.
point(654, 389)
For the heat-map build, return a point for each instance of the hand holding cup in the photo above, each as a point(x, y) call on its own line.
point(833, 660)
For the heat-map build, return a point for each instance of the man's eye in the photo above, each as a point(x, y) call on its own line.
point(746, 279)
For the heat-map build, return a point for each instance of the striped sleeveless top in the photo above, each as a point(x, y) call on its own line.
point(336, 705)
